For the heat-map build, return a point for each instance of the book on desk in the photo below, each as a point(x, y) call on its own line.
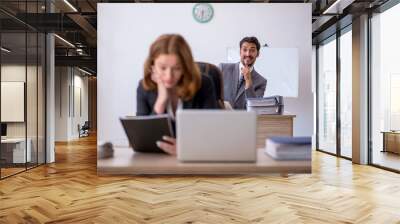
point(288, 148)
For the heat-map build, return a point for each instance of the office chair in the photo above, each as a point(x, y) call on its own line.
point(215, 74)
point(84, 130)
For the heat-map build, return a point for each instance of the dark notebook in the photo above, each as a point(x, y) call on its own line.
point(144, 131)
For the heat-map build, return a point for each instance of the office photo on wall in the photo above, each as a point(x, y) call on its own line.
point(283, 60)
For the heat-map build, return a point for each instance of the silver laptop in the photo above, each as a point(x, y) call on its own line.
point(216, 135)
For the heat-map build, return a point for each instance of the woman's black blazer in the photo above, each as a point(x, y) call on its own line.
point(204, 98)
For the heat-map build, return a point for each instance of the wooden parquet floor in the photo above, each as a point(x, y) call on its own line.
point(70, 191)
point(10, 171)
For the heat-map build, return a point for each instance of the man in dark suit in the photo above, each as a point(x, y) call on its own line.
point(241, 81)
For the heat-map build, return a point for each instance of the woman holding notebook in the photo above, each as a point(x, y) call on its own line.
point(171, 81)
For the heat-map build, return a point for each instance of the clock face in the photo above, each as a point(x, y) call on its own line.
point(203, 12)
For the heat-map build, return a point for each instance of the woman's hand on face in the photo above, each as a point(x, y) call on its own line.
point(168, 145)
point(162, 93)
point(162, 90)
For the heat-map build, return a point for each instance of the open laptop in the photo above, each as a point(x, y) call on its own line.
point(216, 136)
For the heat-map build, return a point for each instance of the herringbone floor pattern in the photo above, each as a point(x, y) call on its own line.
point(70, 191)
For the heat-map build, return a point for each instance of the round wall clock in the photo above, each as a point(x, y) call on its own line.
point(203, 12)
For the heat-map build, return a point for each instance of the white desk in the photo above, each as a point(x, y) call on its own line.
point(16, 147)
point(127, 162)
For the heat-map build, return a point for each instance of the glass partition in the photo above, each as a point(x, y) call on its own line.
point(14, 154)
point(327, 96)
point(32, 95)
point(22, 77)
point(346, 93)
point(41, 107)
point(385, 89)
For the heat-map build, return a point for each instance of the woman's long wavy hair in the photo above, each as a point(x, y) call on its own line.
point(175, 44)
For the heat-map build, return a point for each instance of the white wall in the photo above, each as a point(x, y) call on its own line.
point(61, 103)
point(124, 39)
point(79, 117)
point(67, 85)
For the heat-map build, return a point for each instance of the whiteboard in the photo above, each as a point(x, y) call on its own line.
point(12, 101)
point(280, 66)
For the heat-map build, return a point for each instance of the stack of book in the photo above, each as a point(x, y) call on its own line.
point(288, 148)
point(266, 105)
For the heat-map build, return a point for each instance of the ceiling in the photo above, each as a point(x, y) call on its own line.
point(77, 22)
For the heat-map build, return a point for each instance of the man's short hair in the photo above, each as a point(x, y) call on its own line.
point(253, 40)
